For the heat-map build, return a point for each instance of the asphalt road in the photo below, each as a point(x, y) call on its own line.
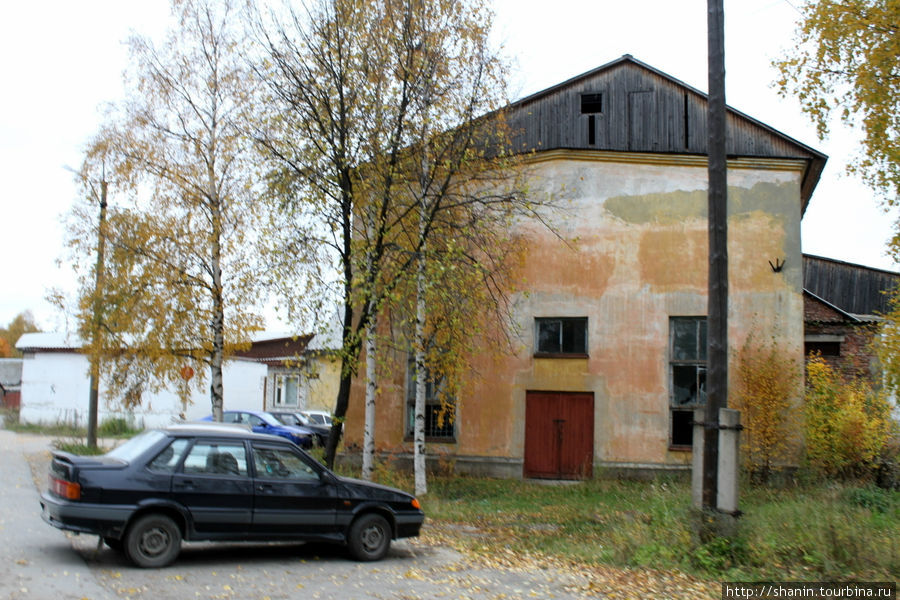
point(36, 560)
point(42, 563)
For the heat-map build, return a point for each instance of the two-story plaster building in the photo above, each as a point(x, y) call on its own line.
point(611, 334)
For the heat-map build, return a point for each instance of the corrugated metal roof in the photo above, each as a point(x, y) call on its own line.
point(49, 340)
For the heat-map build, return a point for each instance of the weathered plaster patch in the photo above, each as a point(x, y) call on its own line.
point(553, 265)
point(661, 209)
point(674, 258)
point(678, 206)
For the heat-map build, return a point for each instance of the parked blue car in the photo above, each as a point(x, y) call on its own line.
point(262, 422)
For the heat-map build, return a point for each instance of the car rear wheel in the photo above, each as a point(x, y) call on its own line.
point(370, 537)
point(153, 541)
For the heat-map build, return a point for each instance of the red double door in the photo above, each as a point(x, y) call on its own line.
point(559, 435)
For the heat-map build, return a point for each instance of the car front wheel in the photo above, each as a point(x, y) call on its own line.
point(153, 541)
point(370, 537)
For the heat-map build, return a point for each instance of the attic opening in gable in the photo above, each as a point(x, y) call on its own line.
point(591, 105)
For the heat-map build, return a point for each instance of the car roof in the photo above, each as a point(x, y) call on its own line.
point(213, 429)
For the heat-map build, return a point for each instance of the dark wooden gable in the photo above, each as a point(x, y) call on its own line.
point(628, 106)
point(853, 288)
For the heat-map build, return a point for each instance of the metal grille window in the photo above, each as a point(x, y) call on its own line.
point(440, 412)
point(560, 336)
point(687, 360)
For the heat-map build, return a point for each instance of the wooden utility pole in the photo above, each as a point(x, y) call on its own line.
point(717, 333)
point(97, 321)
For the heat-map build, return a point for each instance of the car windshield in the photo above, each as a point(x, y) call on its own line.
point(287, 418)
point(268, 418)
point(136, 446)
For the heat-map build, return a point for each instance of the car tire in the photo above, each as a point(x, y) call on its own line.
point(153, 541)
point(369, 538)
point(116, 544)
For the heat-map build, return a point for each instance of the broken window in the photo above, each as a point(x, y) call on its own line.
point(687, 352)
point(560, 336)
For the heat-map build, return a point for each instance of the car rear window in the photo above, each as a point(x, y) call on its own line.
point(167, 460)
point(136, 446)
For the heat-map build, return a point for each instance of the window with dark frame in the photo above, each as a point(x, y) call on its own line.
point(440, 412)
point(591, 103)
point(687, 362)
point(560, 336)
point(824, 348)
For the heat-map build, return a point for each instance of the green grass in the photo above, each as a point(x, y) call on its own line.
point(824, 531)
point(76, 446)
point(110, 428)
point(74, 439)
point(58, 429)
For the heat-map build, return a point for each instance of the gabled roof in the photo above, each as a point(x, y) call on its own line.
point(277, 350)
point(634, 107)
point(844, 315)
point(855, 289)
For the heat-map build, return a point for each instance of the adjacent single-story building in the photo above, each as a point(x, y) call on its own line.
point(844, 305)
point(278, 371)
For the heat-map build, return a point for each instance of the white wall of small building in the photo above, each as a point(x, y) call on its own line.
point(55, 389)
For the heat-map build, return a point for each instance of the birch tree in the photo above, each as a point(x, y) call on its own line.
point(465, 190)
point(350, 82)
point(181, 287)
point(845, 61)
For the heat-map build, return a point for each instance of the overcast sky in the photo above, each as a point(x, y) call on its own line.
point(61, 60)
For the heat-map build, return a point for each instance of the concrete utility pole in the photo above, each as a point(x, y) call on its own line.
point(717, 333)
point(97, 321)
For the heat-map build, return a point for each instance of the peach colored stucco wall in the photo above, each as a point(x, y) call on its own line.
point(637, 255)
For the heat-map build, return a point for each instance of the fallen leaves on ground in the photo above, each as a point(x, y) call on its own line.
point(588, 580)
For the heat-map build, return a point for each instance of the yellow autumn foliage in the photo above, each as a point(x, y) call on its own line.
point(848, 423)
point(767, 380)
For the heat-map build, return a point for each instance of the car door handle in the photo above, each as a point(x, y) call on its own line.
point(264, 487)
point(185, 484)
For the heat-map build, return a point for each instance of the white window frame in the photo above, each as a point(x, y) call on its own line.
point(281, 391)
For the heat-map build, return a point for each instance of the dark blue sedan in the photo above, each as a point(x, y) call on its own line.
point(219, 482)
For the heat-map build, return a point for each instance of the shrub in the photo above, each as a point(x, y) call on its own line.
point(115, 427)
point(768, 382)
point(848, 424)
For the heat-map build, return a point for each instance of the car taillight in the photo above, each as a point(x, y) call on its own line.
point(415, 503)
point(67, 489)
